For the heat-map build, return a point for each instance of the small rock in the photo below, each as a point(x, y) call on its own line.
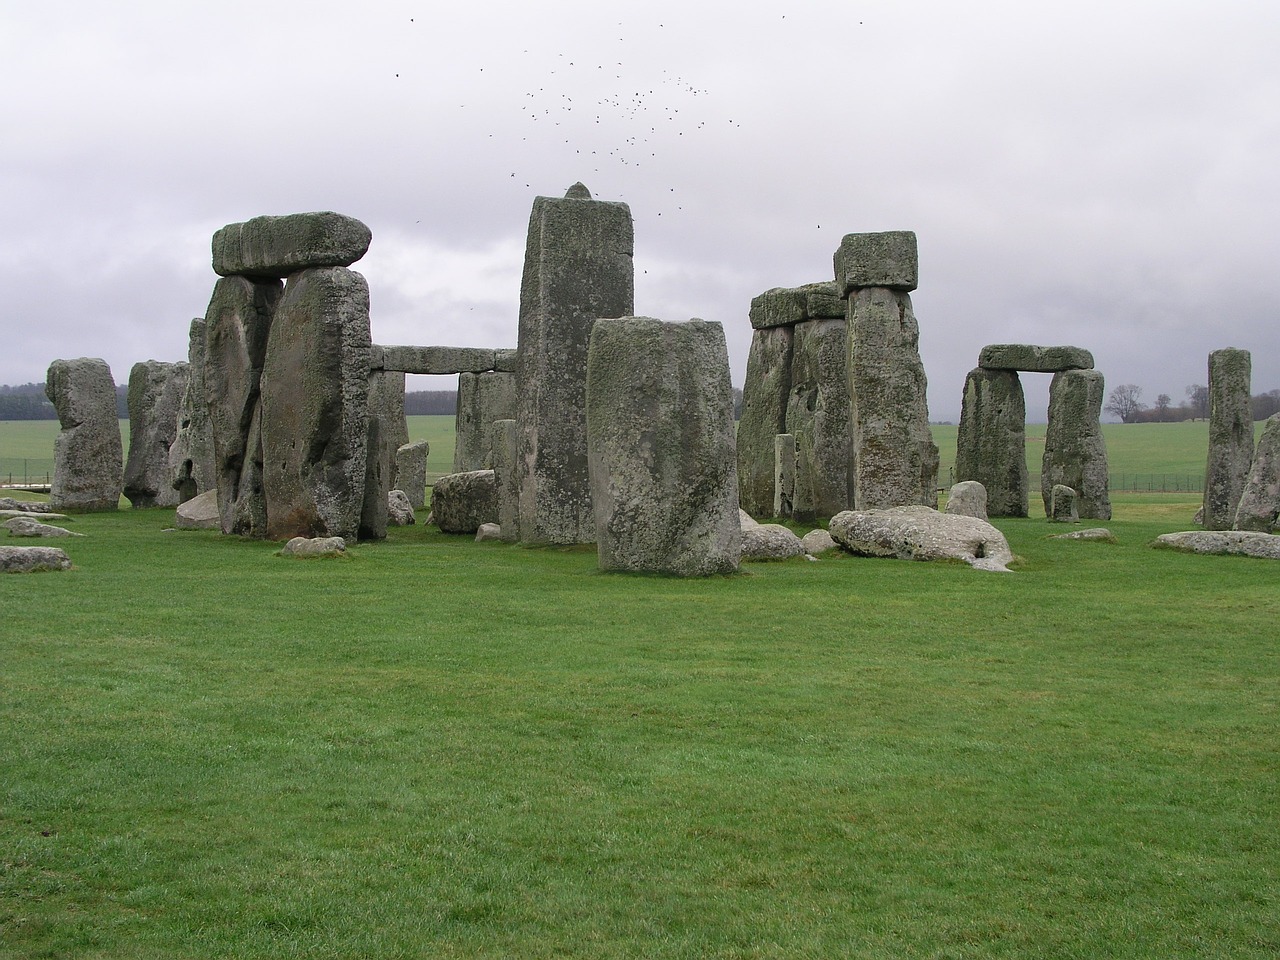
point(26, 527)
point(817, 541)
point(1093, 533)
point(968, 498)
point(314, 547)
point(199, 513)
point(488, 531)
point(770, 541)
point(400, 509)
point(32, 559)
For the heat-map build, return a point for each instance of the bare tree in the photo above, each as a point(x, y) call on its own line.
point(1198, 400)
point(1124, 402)
point(1163, 403)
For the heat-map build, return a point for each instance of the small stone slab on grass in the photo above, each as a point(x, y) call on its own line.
point(314, 547)
point(27, 527)
point(1093, 533)
point(32, 559)
point(1265, 546)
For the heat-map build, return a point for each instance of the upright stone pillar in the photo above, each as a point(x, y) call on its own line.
point(784, 474)
point(764, 415)
point(88, 473)
point(819, 415)
point(1075, 453)
point(507, 478)
point(191, 457)
point(482, 399)
point(1259, 508)
point(991, 442)
point(577, 268)
point(155, 397)
point(386, 434)
point(1230, 436)
point(661, 447)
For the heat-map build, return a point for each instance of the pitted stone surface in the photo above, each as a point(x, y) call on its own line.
point(25, 506)
point(411, 471)
point(1033, 359)
point(887, 259)
point(438, 361)
point(399, 509)
point(314, 547)
point(991, 440)
point(784, 474)
point(787, 306)
point(279, 246)
point(1230, 436)
point(968, 498)
point(921, 533)
point(764, 415)
point(29, 527)
point(819, 415)
point(1245, 543)
point(770, 541)
point(1101, 534)
point(507, 478)
point(155, 397)
point(1062, 504)
point(1075, 453)
point(88, 454)
point(1259, 508)
point(32, 559)
point(460, 502)
point(818, 541)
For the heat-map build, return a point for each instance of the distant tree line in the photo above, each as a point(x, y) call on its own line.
point(1125, 402)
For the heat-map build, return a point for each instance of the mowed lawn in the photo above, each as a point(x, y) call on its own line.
point(436, 748)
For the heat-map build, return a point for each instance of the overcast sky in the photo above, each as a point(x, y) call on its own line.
point(1103, 174)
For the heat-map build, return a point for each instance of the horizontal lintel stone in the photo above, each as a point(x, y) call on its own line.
point(1033, 359)
point(279, 246)
point(787, 306)
point(888, 259)
point(441, 360)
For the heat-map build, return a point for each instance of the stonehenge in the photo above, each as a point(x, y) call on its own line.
point(88, 455)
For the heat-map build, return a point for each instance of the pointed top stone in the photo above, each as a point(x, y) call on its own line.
point(578, 191)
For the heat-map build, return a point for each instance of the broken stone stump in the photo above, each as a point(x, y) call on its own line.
point(1230, 436)
point(660, 441)
point(968, 498)
point(155, 397)
point(88, 455)
point(482, 399)
point(1075, 453)
point(399, 509)
point(411, 471)
point(1259, 508)
point(764, 415)
point(198, 513)
point(1062, 504)
point(460, 502)
point(991, 440)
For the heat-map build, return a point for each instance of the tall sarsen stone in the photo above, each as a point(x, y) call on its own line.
point(88, 453)
point(1075, 454)
point(1230, 436)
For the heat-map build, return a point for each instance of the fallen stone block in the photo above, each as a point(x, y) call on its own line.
point(922, 533)
point(24, 506)
point(199, 513)
point(27, 527)
point(1245, 543)
point(770, 541)
point(1101, 534)
point(314, 547)
point(460, 502)
point(32, 559)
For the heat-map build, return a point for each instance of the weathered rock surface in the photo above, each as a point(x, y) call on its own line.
point(577, 268)
point(1230, 436)
point(441, 361)
point(507, 478)
point(10, 514)
point(399, 509)
point(88, 455)
point(25, 506)
point(921, 533)
point(488, 531)
point(819, 416)
point(192, 462)
point(32, 559)
point(746, 520)
point(280, 246)
point(1063, 504)
point(887, 259)
point(895, 459)
point(199, 513)
point(411, 471)
point(1259, 508)
point(818, 541)
point(460, 502)
point(386, 432)
point(1033, 359)
point(28, 527)
point(786, 306)
point(1075, 453)
point(770, 541)
point(1246, 543)
point(314, 547)
point(991, 440)
point(660, 443)
point(482, 399)
point(315, 424)
point(155, 397)
point(1101, 534)
point(764, 415)
point(968, 498)
point(784, 474)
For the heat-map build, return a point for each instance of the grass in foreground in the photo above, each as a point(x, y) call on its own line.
point(439, 748)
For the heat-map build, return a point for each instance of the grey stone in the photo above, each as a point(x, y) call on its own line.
point(507, 478)
point(886, 259)
point(387, 432)
point(660, 443)
point(819, 415)
point(280, 246)
point(784, 475)
point(504, 361)
point(488, 531)
point(1033, 359)
point(315, 393)
point(25, 506)
point(192, 464)
point(237, 325)
point(895, 460)
point(1100, 534)
point(1259, 508)
point(1230, 436)
point(199, 513)
point(818, 541)
point(88, 455)
point(437, 361)
point(1062, 504)
point(1246, 543)
point(764, 415)
point(28, 527)
point(399, 509)
point(770, 541)
point(577, 268)
point(921, 533)
point(11, 514)
point(32, 559)
point(787, 306)
point(411, 471)
point(746, 520)
point(968, 498)
point(991, 440)
point(460, 502)
point(482, 399)
point(155, 397)
point(314, 547)
point(1075, 453)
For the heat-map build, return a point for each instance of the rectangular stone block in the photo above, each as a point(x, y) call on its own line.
point(778, 307)
point(437, 360)
point(279, 246)
point(819, 416)
point(504, 361)
point(877, 260)
point(482, 399)
point(1230, 436)
point(1032, 359)
point(1075, 453)
point(507, 478)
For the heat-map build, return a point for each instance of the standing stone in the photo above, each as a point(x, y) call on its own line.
point(315, 422)
point(784, 474)
point(819, 416)
point(1074, 452)
point(507, 478)
point(1230, 436)
point(968, 498)
point(155, 397)
point(764, 415)
point(661, 447)
point(1259, 507)
point(87, 454)
point(1062, 504)
point(991, 441)
point(237, 324)
point(387, 432)
point(577, 268)
point(895, 459)
point(482, 399)
point(411, 471)
point(191, 457)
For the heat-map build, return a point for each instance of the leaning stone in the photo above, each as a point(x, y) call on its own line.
point(968, 498)
point(770, 541)
point(991, 441)
point(25, 506)
point(1230, 436)
point(818, 415)
point(1062, 504)
point(488, 531)
point(764, 416)
point(482, 399)
point(660, 447)
point(314, 547)
point(1237, 542)
point(1075, 453)
point(818, 541)
point(280, 246)
point(460, 502)
point(399, 509)
point(32, 559)
point(411, 471)
point(886, 259)
point(88, 455)
point(1033, 359)
point(921, 533)
point(155, 397)
point(199, 513)
point(1101, 534)
point(26, 527)
point(1259, 508)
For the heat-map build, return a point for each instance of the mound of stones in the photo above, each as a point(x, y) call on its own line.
point(922, 533)
point(32, 559)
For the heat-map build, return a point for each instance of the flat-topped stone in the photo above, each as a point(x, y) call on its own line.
point(787, 306)
point(279, 246)
point(439, 361)
point(30, 527)
point(1033, 359)
point(887, 259)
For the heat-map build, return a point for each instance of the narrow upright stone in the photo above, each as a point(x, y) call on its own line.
point(819, 416)
point(411, 471)
point(1230, 436)
point(155, 396)
point(482, 399)
point(577, 268)
point(784, 474)
point(1075, 453)
point(507, 478)
point(1259, 507)
point(88, 471)
point(991, 443)
point(765, 395)
point(192, 468)
point(1062, 504)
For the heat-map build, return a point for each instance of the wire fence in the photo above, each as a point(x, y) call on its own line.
point(25, 470)
point(1125, 482)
